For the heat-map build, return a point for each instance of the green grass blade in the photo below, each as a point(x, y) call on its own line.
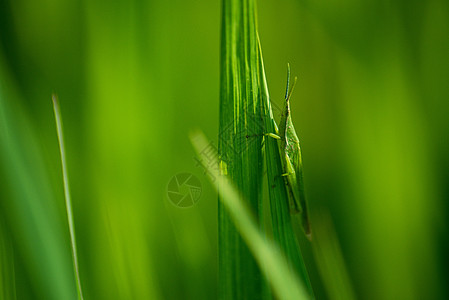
point(283, 280)
point(239, 275)
point(68, 201)
point(330, 261)
point(281, 219)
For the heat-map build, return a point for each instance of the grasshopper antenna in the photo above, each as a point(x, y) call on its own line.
point(293, 87)
point(288, 82)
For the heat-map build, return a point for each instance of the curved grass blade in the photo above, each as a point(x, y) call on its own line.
point(68, 201)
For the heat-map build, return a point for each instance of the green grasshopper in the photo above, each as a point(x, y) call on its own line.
point(290, 151)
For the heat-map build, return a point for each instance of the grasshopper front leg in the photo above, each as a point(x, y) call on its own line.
point(273, 135)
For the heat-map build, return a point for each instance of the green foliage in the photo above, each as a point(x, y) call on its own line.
point(240, 111)
point(135, 76)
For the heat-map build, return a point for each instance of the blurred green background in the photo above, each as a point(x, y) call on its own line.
point(134, 77)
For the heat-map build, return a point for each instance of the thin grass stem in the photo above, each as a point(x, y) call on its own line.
point(68, 201)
